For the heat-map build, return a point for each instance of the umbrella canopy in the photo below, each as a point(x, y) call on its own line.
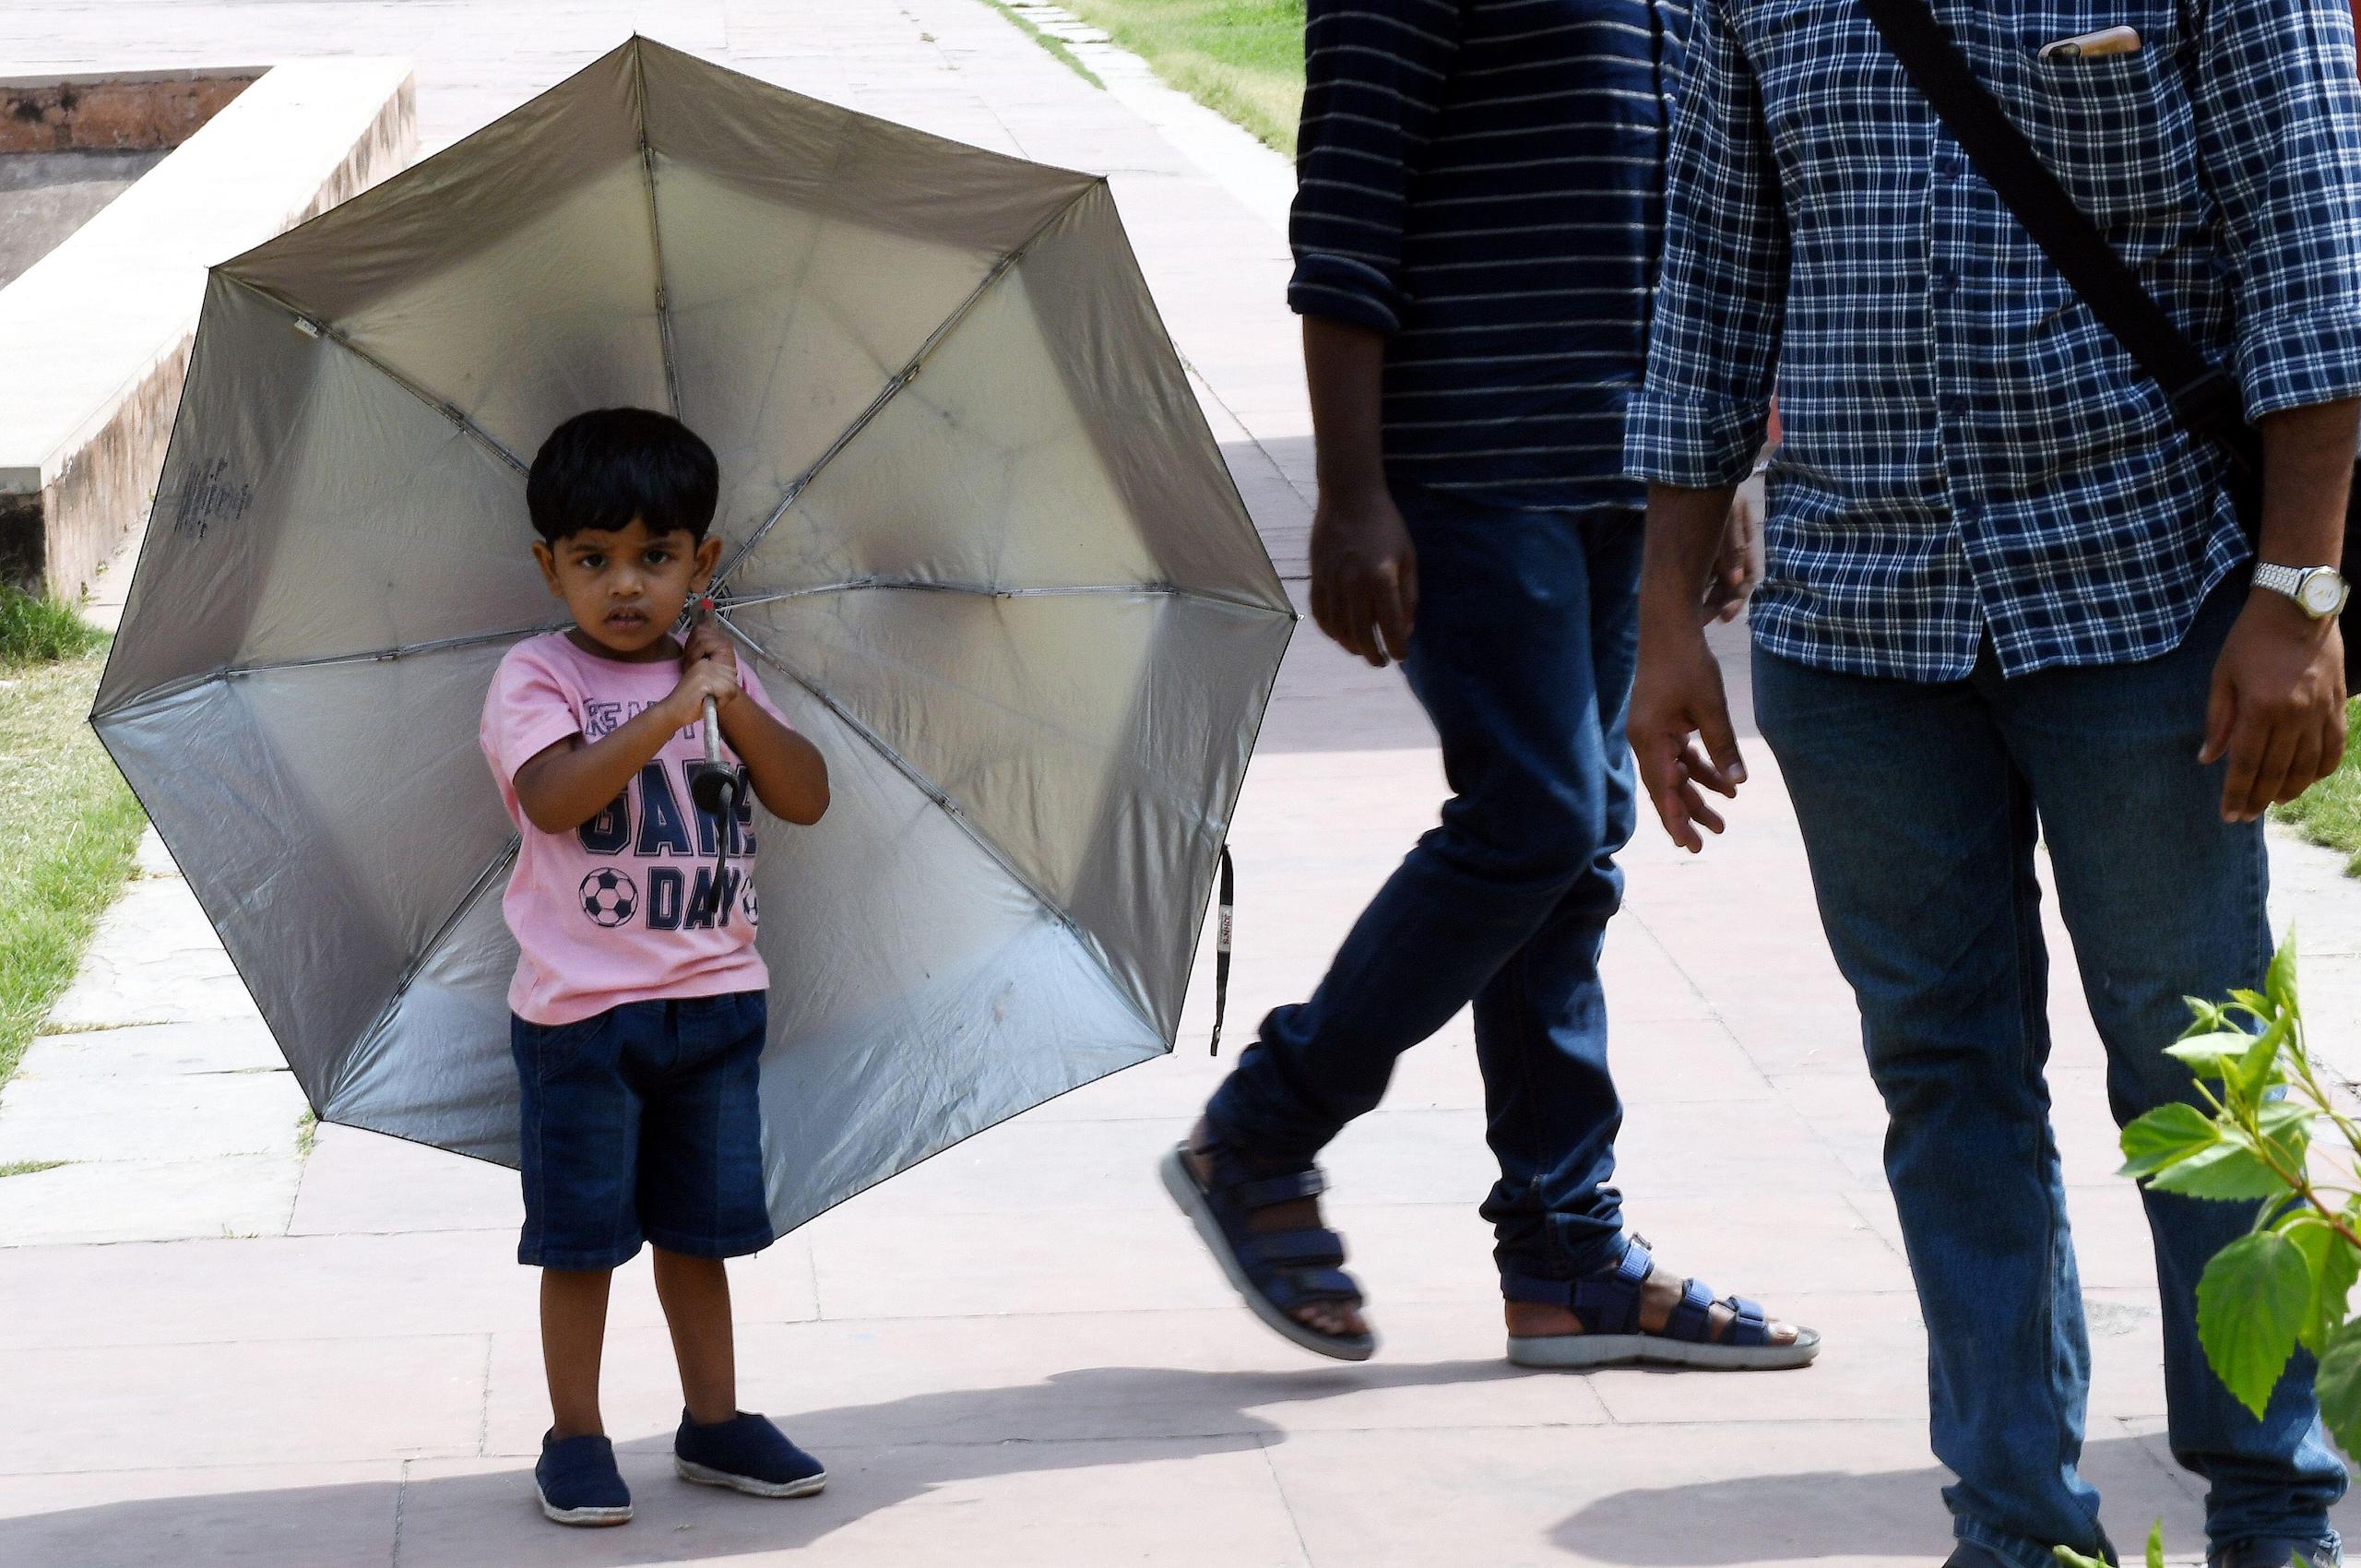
point(979, 545)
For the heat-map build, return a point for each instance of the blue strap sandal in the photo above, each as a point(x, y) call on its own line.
point(1277, 1272)
point(1608, 1303)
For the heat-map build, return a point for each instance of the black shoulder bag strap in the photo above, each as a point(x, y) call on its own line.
point(2204, 397)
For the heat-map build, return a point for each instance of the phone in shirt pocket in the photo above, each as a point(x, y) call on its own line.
point(2113, 123)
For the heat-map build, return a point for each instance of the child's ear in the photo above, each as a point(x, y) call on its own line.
point(708, 558)
point(546, 558)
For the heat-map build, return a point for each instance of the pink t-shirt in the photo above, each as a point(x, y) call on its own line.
point(624, 908)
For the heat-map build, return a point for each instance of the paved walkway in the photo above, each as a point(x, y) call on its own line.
point(1015, 1354)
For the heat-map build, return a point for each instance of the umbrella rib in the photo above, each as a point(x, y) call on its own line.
point(900, 379)
point(989, 590)
point(171, 689)
point(943, 803)
point(312, 326)
point(655, 231)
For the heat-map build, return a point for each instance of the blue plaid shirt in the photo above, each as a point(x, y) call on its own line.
point(1965, 449)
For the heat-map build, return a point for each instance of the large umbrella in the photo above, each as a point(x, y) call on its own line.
point(980, 545)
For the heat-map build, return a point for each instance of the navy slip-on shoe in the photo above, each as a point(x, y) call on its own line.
point(746, 1454)
point(577, 1483)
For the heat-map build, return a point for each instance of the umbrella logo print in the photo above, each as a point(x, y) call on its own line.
point(609, 896)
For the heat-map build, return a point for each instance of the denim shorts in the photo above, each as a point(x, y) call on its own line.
point(642, 1123)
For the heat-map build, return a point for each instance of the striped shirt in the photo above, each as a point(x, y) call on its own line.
point(1968, 452)
point(1482, 181)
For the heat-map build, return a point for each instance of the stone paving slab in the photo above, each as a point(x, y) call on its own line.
point(177, 1117)
point(149, 965)
point(131, 1200)
point(159, 1085)
point(129, 1406)
point(288, 1515)
point(366, 1183)
point(203, 1049)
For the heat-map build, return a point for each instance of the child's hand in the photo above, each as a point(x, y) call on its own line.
point(715, 676)
point(708, 641)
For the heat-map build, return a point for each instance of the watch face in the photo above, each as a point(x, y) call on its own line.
point(2322, 592)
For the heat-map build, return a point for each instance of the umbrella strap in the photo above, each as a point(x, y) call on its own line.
point(1227, 913)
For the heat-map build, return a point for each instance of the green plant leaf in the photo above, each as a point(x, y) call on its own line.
point(2251, 1302)
point(2339, 1387)
point(2334, 1263)
point(2228, 1171)
point(2166, 1135)
point(2073, 1558)
point(2156, 1545)
point(2211, 1055)
point(2258, 1070)
point(2277, 1118)
point(2280, 983)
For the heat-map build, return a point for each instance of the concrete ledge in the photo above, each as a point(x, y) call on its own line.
point(94, 338)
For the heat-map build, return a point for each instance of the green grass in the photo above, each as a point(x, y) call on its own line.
point(1242, 59)
point(36, 631)
point(2329, 812)
point(1056, 46)
point(28, 1167)
point(67, 822)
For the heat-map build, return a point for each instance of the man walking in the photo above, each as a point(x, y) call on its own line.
point(2007, 595)
point(1476, 232)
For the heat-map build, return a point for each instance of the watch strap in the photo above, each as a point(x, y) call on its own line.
point(2278, 579)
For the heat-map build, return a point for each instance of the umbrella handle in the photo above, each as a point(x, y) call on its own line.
point(715, 788)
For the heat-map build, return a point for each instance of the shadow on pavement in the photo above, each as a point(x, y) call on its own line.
point(879, 1457)
point(1879, 1517)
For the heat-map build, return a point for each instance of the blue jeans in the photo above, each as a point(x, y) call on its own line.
point(1920, 806)
point(1523, 657)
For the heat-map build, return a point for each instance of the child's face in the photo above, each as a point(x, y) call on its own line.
point(625, 586)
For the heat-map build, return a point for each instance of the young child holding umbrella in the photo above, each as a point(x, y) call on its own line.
point(639, 1003)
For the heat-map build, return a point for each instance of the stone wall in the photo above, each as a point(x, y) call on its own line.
point(146, 109)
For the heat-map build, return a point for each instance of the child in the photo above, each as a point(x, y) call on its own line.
point(638, 1001)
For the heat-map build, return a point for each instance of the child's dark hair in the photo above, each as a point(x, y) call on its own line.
point(602, 469)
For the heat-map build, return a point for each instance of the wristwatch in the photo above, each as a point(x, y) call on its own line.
point(2320, 589)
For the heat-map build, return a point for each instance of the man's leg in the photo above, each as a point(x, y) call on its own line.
point(1920, 835)
point(2166, 900)
point(1500, 659)
point(1551, 1108)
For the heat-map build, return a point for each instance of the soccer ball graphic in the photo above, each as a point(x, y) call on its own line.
point(608, 898)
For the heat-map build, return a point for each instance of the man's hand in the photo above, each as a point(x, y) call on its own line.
point(1678, 693)
point(1738, 568)
point(1678, 696)
point(1364, 574)
point(2276, 709)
